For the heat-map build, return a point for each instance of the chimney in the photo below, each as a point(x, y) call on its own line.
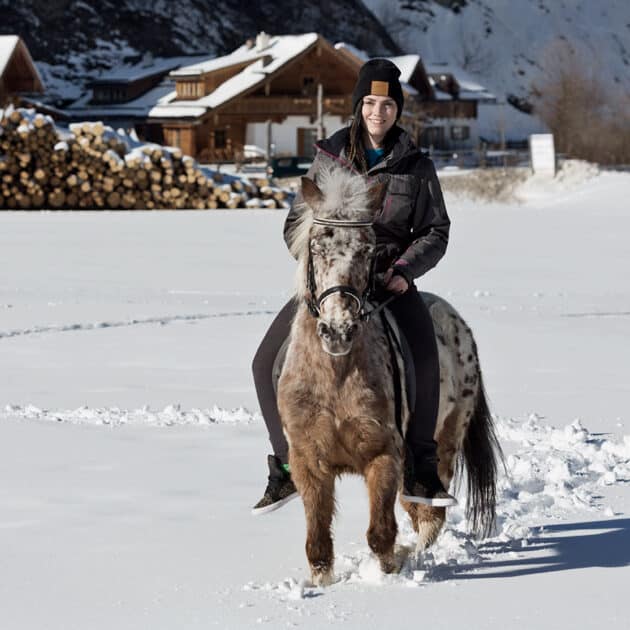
point(262, 41)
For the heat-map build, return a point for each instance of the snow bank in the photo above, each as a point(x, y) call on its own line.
point(171, 415)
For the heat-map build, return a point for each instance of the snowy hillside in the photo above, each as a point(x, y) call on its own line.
point(501, 43)
point(131, 448)
point(74, 41)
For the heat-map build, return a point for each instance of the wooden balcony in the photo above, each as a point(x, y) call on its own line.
point(265, 106)
point(450, 109)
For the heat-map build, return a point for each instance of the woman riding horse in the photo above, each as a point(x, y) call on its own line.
point(412, 233)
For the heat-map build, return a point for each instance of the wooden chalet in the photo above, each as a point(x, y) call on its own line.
point(18, 74)
point(263, 94)
point(454, 109)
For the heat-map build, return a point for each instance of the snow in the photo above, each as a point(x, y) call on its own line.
point(141, 106)
point(281, 48)
point(502, 44)
point(147, 67)
point(131, 448)
point(7, 46)
point(406, 64)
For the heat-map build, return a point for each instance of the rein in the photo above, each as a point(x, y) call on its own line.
point(314, 303)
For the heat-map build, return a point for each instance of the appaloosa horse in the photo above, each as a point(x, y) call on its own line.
point(336, 391)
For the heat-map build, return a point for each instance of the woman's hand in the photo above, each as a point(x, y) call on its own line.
point(395, 282)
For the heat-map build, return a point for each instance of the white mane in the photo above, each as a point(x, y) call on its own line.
point(345, 198)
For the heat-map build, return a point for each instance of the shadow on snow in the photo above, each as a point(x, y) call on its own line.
point(559, 547)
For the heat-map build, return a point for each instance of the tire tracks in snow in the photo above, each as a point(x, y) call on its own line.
point(169, 319)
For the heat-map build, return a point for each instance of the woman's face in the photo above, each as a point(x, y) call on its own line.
point(379, 115)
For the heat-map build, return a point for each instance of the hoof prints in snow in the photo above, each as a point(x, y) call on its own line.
point(169, 416)
point(552, 475)
point(170, 319)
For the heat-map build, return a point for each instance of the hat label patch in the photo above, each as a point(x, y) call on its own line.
point(379, 88)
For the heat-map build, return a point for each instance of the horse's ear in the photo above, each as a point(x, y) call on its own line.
point(376, 196)
point(311, 192)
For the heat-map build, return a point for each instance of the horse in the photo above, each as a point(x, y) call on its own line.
point(336, 392)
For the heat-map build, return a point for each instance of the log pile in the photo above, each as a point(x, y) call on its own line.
point(93, 167)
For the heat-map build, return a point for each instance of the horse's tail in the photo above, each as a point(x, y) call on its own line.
point(482, 456)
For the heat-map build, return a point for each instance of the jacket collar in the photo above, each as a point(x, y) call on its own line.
point(398, 145)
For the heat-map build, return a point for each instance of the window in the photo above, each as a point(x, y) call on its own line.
point(220, 139)
point(460, 132)
point(189, 89)
point(432, 137)
point(308, 86)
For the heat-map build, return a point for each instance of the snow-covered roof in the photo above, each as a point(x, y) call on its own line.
point(403, 64)
point(279, 48)
point(407, 65)
point(7, 46)
point(264, 61)
point(149, 66)
point(469, 89)
point(139, 107)
point(361, 55)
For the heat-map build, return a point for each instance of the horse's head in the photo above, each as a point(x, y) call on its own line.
point(335, 246)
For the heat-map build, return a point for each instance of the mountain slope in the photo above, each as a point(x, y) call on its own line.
point(503, 44)
point(74, 41)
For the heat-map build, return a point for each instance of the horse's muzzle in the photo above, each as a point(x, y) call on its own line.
point(337, 340)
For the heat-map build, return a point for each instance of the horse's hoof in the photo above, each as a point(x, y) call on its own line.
point(394, 561)
point(389, 563)
point(321, 577)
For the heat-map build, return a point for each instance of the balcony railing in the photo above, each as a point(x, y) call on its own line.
point(290, 105)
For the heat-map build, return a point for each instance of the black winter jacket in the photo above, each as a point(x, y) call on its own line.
point(413, 224)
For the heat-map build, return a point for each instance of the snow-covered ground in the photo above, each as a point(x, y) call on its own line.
point(131, 449)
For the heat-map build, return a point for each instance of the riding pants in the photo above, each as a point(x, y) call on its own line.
point(414, 319)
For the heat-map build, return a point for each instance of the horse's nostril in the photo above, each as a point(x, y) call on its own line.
point(351, 332)
point(323, 330)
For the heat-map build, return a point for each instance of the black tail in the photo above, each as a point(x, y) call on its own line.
point(482, 456)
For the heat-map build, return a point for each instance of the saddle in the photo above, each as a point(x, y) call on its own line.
point(400, 354)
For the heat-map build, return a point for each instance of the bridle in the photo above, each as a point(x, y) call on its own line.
point(314, 302)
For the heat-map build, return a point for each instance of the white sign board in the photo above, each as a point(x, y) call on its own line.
point(542, 153)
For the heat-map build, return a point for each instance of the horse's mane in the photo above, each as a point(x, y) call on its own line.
point(345, 198)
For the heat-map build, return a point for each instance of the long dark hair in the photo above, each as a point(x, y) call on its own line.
point(355, 149)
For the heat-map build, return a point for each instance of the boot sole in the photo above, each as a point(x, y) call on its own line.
point(274, 506)
point(431, 502)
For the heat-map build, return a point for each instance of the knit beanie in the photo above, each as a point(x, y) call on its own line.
point(380, 78)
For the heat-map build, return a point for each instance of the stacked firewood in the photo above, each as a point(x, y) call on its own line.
point(94, 167)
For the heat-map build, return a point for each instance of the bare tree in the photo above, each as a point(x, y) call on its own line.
point(589, 117)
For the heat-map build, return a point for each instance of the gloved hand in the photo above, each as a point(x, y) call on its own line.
point(395, 282)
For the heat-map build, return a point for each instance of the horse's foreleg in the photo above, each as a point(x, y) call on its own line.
point(382, 475)
point(318, 496)
point(427, 522)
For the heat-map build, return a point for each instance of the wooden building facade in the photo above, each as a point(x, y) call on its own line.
point(267, 88)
